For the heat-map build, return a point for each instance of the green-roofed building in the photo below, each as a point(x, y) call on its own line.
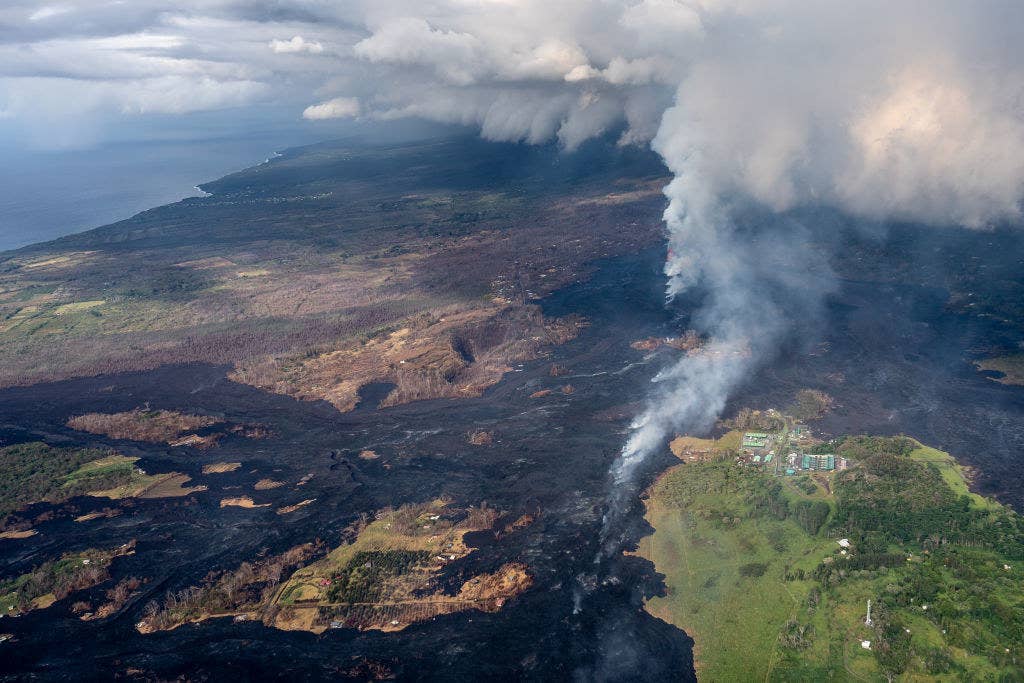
point(825, 463)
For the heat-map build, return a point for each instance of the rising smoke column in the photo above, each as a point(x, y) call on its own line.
point(691, 393)
point(886, 125)
point(743, 315)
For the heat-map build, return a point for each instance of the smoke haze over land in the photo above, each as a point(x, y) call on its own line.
point(908, 110)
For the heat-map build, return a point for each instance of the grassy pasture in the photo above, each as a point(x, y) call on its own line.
point(726, 570)
point(765, 599)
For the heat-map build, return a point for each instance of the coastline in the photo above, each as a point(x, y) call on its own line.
point(115, 183)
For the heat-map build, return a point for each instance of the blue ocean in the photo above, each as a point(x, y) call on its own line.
point(44, 195)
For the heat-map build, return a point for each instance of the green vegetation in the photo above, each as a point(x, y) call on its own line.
point(34, 472)
point(861, 447)
point(247, 588)
point(892, 499)
point(390, 558)
point(952, 473)
point(56, 579)
point(112, 472)
point(364, 578)
point(384, 578)
point(756, 575)
point(726, 539)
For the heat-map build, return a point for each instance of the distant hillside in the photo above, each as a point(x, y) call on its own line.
point(334, 266)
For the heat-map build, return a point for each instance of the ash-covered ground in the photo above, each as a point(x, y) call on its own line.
point(550, 455)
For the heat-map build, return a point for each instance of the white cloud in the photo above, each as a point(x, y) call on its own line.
point(337, 108)
point(456, 57)
point(971, 145)
point(136, 42)
point(296, 44)
point(47, 12)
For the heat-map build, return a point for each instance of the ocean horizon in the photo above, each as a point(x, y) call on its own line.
point(46, 195)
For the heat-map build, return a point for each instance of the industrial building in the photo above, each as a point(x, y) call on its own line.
point(825, 463)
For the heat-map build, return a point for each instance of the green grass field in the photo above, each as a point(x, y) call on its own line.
point(952, 473)
point(767, 596)
point(736, 619)
point(35, 472)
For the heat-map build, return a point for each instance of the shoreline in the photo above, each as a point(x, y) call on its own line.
point(94, 206)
